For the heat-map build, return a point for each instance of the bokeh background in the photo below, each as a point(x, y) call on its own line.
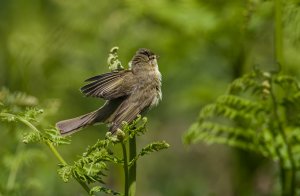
point(49, 47)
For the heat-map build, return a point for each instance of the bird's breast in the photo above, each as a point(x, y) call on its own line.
point(149, 86)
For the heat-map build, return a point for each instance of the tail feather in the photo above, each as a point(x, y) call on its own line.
point(67, 127)
point(70, 126)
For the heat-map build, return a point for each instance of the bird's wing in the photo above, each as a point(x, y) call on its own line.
point(109, 85)
point(128, 111)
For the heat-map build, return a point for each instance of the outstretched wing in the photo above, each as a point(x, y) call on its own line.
point(109, 85)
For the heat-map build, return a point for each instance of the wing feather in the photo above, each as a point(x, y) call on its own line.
point(128, 111)
point(109, 85)
point(98, 77)
point(101, 81)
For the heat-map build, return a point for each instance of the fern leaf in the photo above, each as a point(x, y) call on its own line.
point(65, 172)
point(32, 137)
point(150, 148)
point(287, 82)
point(96, 189)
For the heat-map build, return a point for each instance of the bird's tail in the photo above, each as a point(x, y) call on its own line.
point(70, 126)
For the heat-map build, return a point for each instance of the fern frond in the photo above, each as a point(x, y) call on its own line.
point(65, 172)
point(287, 82)
point(4, 116)
point(17, 98)
point(113, 62)
point(135, 128)
point(150, 148)
point(92, 165)
point(243, 84)
point(32, 114)
point(96, 189)
point(292, 108)
point(55, 137)
point(249, 122)
point(293, 100)
point(239, 103)
point(226, 113)
point(32, 137)
point(247, 139)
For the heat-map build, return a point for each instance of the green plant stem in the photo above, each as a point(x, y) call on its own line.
point(14, 168)
point(84, 185)
point(56, 153)
point(278, 32)
point(288, 177)
point(48, 143)
point(125, 166)
point(132, 169)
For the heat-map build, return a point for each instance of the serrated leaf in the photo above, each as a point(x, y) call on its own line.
point(65, 172)
point(55, 137)
point(96, 189)
point(150, 148)
point(154, 147)
point(113, 62)
point(32, 137)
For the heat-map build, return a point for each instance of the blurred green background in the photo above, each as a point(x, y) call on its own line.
point(49, 47)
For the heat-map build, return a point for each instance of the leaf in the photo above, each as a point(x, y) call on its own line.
point(96, 189)
point(55, 137)
point(32, 137)
point(19, 99)
point(31, 114)
point(253, 117)
point(136, 127)
point(150, 148)
point(113, 62)
point(65, 172)
point(154, 147)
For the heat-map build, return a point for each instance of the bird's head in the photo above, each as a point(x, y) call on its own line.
point(144, 57)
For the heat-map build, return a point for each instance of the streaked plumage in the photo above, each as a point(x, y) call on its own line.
point(128, 93)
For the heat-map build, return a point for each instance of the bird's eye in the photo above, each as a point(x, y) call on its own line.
point(152, 57)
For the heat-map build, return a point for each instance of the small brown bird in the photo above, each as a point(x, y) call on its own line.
point(128, 93)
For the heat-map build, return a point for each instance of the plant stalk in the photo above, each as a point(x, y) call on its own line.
point(288, 176)
point(278, 33)
point(132, 169)
point(15, 166)
point(125, 166)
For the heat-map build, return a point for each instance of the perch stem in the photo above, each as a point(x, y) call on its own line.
point(132, 169)
point(125, 166)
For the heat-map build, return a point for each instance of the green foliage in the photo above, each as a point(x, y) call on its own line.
point(153, 147)
point(16, 100)
point(48, 135)
point(28, 117)
point(96, 189)
point(113, 62)
point(21, 109)
point(259, 113)
point(92, 166)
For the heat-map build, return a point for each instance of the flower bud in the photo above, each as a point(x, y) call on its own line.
point(120, 134)
point(266, 84)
